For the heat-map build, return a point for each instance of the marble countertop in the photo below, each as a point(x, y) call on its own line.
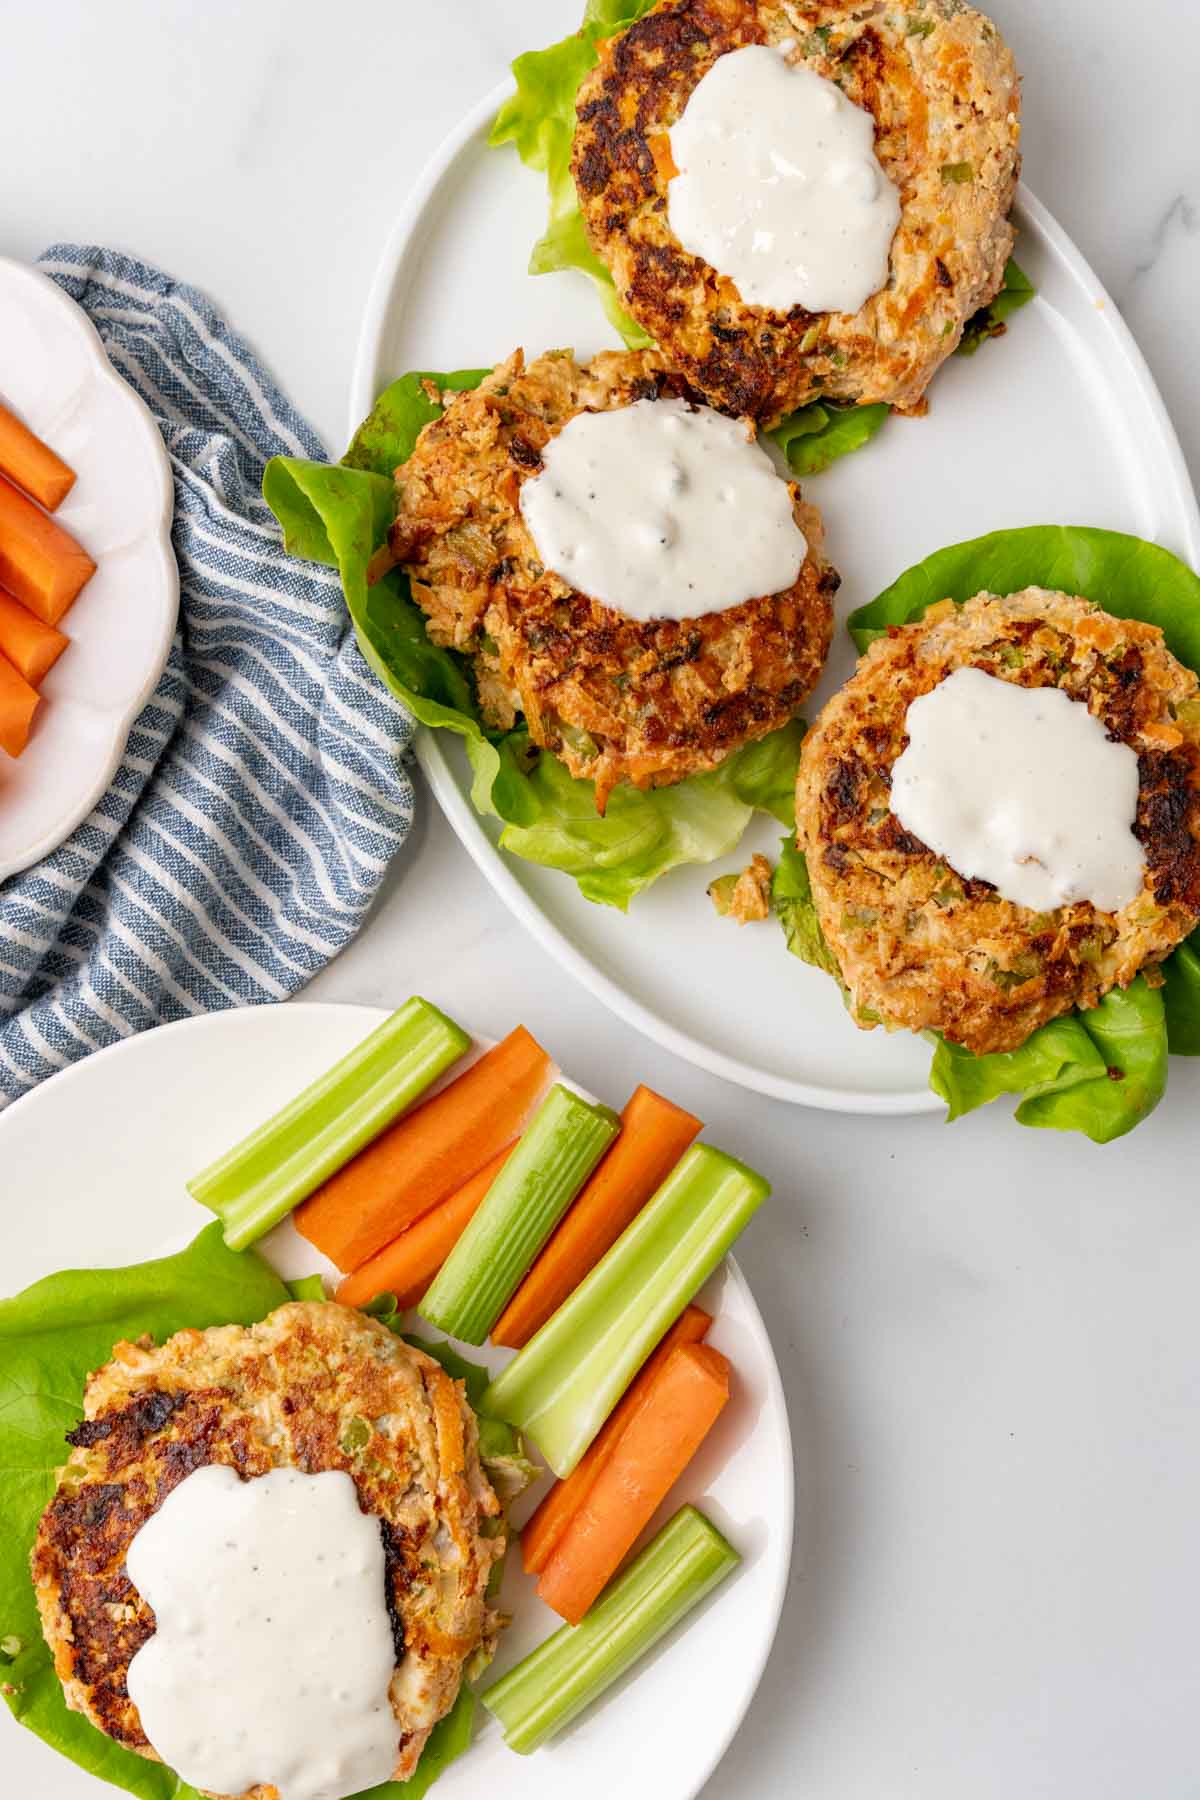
point(904, 1268)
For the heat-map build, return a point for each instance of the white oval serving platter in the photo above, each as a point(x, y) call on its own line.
point(55, 375)
point(103, 1152)
point(1058, 422)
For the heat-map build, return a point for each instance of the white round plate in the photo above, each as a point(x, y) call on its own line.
point(55, 376)
point(92, 1196)
point(1059, 422)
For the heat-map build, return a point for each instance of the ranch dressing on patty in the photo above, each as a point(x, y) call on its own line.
point(273, 1651)
point(779, 187)
point(663, 510)
point(1021, 787)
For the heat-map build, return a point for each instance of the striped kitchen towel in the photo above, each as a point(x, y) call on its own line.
point(261, 795)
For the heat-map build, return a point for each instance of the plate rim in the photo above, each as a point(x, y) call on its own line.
point(197, 1024)
point(158, 532)
point(466, 823)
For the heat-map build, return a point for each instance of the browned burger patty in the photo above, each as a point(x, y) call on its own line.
point(941, 87)
point(314, 1387)
point(917, 945)
point(615, 698)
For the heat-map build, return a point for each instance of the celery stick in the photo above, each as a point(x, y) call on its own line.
point(308, 1287)
point(260, 1180)
point(554, 1683)
point(562, 1386)
point(562, 1144)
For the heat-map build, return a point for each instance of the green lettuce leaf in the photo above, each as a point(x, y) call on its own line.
point(539, 120)
point(51, 1336)
point(339, 513)
point(992, 320)
point(553, 818)
point(1128, 576)
point(1099, 1072)
point(792, 904)
point(817, 435)
point(1181, 998)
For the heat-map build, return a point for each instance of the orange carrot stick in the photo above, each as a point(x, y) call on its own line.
point(660, 1440)
point(32, 647)
point(407, 1265)
point(654, 1135)
point(18, 703)
point(39, 562)
point(427, 1154)
point(545, 1527)
point(25, 459)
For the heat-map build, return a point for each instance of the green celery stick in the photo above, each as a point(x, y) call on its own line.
point(562, 1144)
point(260, 1180)
point(554, 1683)
point(562, 1386)
point(308, 1287)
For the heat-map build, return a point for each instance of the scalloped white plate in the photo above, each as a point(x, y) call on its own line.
point(1060, 422)
point(55, 375)
point(201, 1084)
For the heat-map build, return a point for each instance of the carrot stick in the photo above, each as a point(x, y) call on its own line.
point(407, 1265)
point(654, 1135)
point(18, 703)
point(427, 1154)
point(676, 1414)
point(32, 647)
point(544, 1527)
point(39, 562)
point(25, 459)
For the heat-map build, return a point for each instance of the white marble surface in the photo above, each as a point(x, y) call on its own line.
point(976, 1303)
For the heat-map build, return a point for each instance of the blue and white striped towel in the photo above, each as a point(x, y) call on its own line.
point(261, 795)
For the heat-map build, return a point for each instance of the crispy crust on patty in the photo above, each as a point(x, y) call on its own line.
point(616, 699)
point(279, 1395)
point(941, 86)
point(917, 945)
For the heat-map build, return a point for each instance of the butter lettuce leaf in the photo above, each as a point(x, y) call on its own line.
point(338, 514)
point(792, 903)
point(1099, 1072)
point(1127, 576)
point(817, 435)
point(992, 320)
point(1181, 998)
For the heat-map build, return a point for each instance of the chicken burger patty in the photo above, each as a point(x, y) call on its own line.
point(314, 1387)
point(938, 81)
point(615, 698)
point(918, 946)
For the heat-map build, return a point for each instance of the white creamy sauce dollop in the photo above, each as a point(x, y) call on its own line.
point(1021, 787)
point(779, 187)
point(273, 1649)
point(663, 511)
